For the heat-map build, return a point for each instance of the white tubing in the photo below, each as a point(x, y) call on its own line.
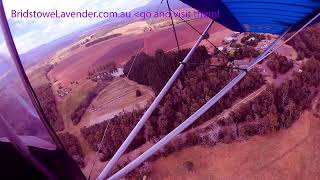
point(135, 163)
point(150, 110)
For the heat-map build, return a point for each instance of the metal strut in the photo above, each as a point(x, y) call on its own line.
point(150, 110)
point(135, 163)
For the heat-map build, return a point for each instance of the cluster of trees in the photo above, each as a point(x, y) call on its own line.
point(72, 146)
point(237, 52)
point(118, 128)
point(102, 39)
point(277, 107)
point(244, 52)
point(154, 71)
point(49, 106)
point(48, 101)
point(191, 91)
point(279, 64)
point(307, 43)
point(252, 39)
point(296, 95)
point(259, 116)
point(85, 103)
point(274, 109)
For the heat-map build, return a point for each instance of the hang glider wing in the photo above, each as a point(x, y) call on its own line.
point(262, 16)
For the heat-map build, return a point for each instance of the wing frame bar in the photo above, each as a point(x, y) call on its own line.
point(140, 159)
point(152, 107)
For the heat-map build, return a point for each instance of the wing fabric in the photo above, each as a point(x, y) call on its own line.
point(262, 16)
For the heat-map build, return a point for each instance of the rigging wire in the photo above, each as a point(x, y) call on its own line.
point(153, 149)
point(159, 6)
point(206, 37)
point(174, 30)
point(191, 119)
point(99, 148)
point(139, 50)
point(196, 30)
point(135, 57)
point(105, 131)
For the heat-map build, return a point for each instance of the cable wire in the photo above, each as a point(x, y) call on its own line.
point(99, 148)
point(205, 37)
point(139, 50)
point(174, 30)
point(184, 125)
point(135, 57)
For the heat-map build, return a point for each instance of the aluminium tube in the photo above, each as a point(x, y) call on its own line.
point(135, 163)
point(152, 107)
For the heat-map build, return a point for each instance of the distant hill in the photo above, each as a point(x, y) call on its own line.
point(43, 52)
point(46, 50)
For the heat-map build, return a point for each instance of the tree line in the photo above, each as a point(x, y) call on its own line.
point(154, 71)
point(118, 128)
point(78, 113)
point(47, 99)
point(72, 146)
point(278, 107)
